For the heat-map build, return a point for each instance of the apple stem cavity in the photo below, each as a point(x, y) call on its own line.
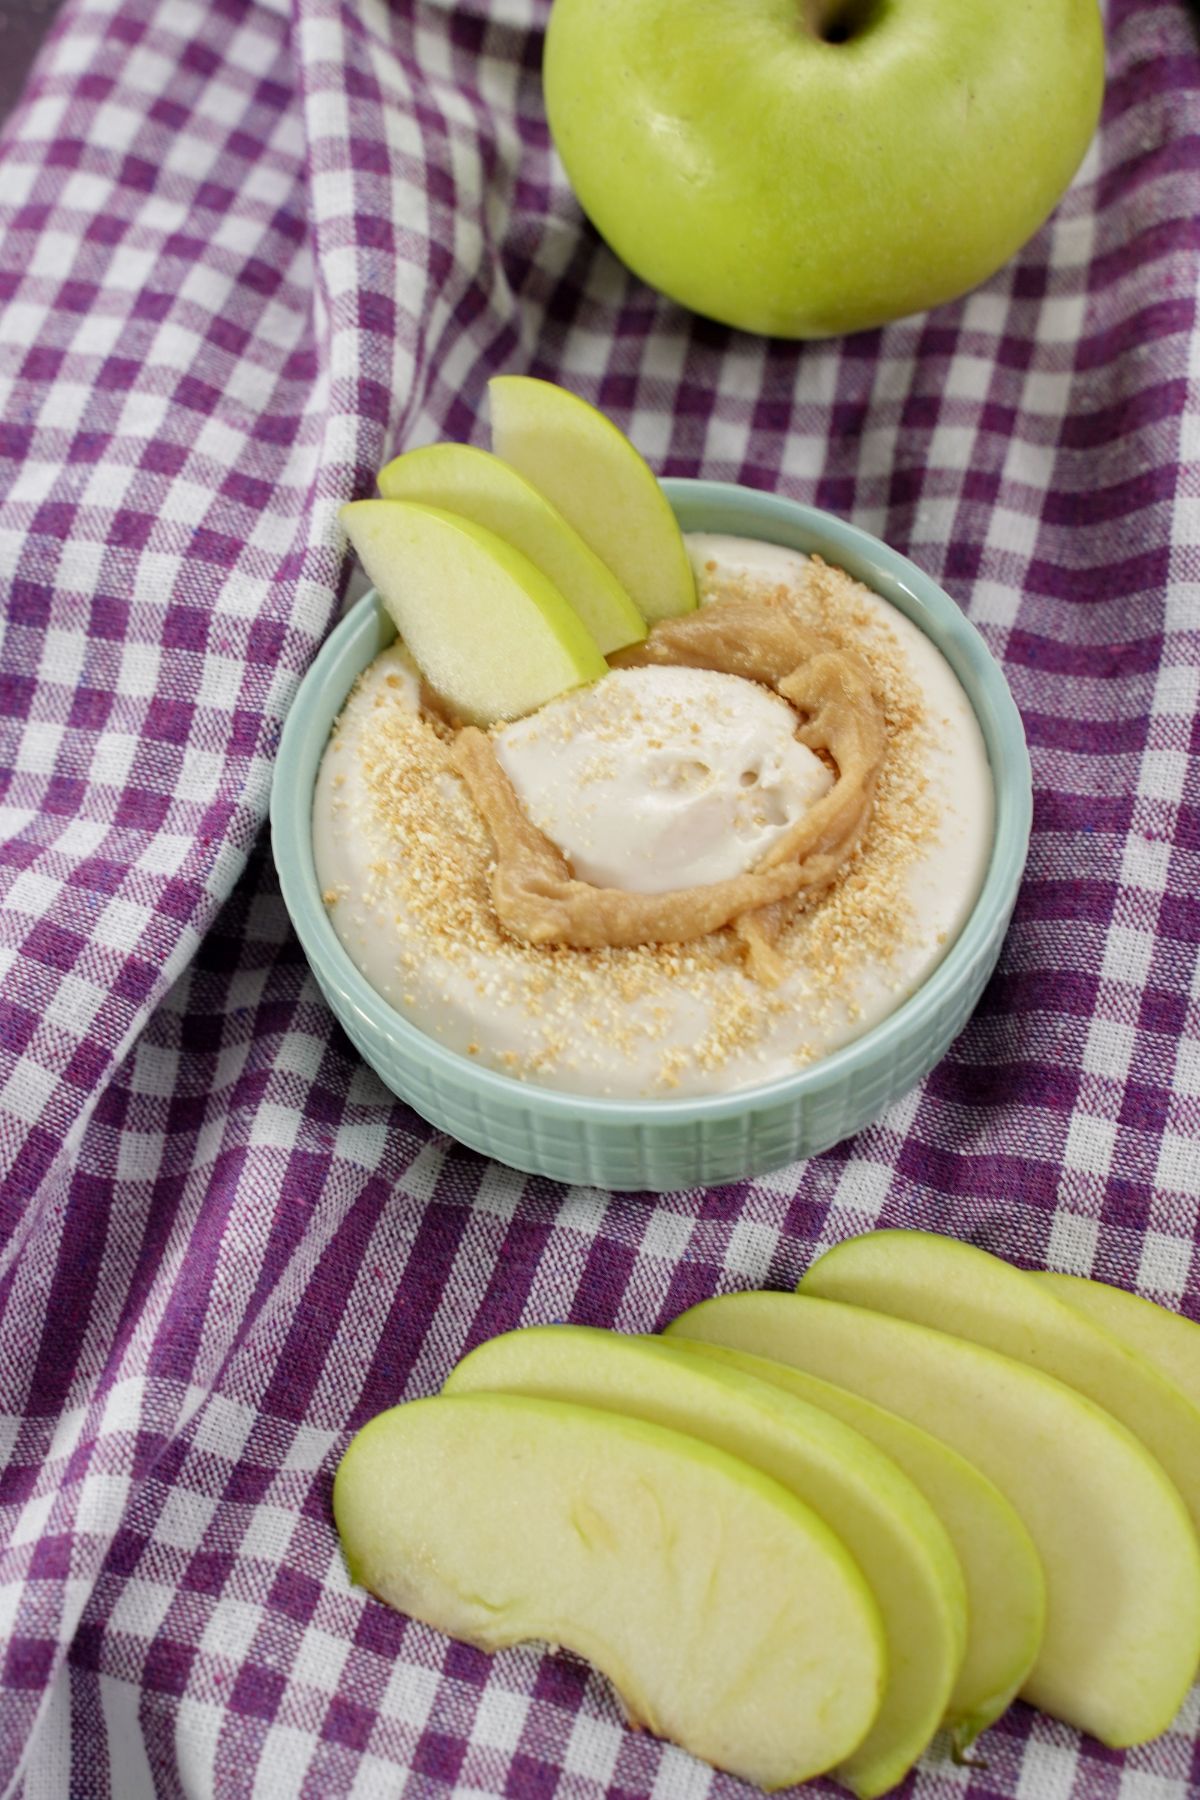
point(839, 21)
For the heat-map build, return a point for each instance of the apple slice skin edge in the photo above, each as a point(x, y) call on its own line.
point(745, 1630)
point(1108, 1664)
point(1166, 1339)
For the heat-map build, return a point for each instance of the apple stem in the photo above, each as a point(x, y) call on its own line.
point(960, 1751)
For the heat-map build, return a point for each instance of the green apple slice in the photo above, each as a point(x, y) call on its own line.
point(591, 472)
point(458, 478)
point(882, 1519)
point(1006, 1590)
point(1171, 1344)
point(1121, 1562)
point(729, 1618)
point(954, 1287)
point(489, 633)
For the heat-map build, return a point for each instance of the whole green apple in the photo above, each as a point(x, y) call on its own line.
point(808, 167)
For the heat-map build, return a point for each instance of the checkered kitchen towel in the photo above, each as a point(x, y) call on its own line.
point(248, 248)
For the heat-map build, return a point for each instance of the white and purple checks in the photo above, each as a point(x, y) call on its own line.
point(249, 247)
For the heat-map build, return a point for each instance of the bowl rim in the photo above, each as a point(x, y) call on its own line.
point(744, 512)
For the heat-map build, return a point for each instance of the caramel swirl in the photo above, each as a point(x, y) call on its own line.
point(537, 897)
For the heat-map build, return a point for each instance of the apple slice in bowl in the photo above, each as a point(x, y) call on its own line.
point(458, 478)
point(591, 472)
point(491, 635)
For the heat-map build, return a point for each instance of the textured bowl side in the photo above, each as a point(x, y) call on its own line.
point(661, 1145)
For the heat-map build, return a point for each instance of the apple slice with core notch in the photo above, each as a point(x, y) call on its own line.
point(729, 1618)
point(591, 472)
point(1006, 1590)
point(884, 1522)
point(458, 478)
point(489, 633)
point(1166, 1340)
point(1121, 1562)
point(954, 1287)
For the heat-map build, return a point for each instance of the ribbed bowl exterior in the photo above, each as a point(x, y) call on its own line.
point(667, 1145)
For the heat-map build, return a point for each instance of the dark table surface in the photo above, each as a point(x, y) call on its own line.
point(23, 24)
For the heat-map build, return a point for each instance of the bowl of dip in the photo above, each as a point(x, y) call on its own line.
point(669, 1067)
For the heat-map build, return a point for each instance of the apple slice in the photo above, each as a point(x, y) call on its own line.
point(591, 472)
point(1171, 1344)
point(1006, 1590)
point(460, 479)
point(1121, 1561)
point(489, 633)
point(954, 1287)
point(729, 1618)
point(886, 1525)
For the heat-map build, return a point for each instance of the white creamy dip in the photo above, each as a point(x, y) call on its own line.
point(657, 778)
point(660, 778)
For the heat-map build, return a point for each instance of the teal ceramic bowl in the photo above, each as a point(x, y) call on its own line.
point(670, 1144)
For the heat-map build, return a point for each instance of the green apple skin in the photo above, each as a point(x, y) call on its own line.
point(1167, 1341)
point(458, 478)
point(603, 487)
point(955, 1287)
point(763, 175)
point(1006, 1590)
point(883, 1520)
point(489, 633)
point(728, 1617)
point(1122, 1567)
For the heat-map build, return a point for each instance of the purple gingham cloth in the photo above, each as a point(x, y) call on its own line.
point(248, 248)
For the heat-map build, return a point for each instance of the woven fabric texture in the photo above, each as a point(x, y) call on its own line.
point(247, 249)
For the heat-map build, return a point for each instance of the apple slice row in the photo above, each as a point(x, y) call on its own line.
point(881, 1517)
point(950, 1659)
point(566, 546)
point(1002, 1573)
point(987, 1526)
point(728, 1616)
point(957, 1288)
point(1117, 1546)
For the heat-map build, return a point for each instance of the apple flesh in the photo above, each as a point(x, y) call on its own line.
point(460, 479)
point(1005, 1587)
point(955, 1287)
point(489, 633)
point(1121, 1562)
point(885, 1523)
point(729, 1618)
point(807, 169)
point(592, 474)
point(1171, 1344)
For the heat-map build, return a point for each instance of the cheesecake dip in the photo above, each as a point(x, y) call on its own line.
point(739, 850)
